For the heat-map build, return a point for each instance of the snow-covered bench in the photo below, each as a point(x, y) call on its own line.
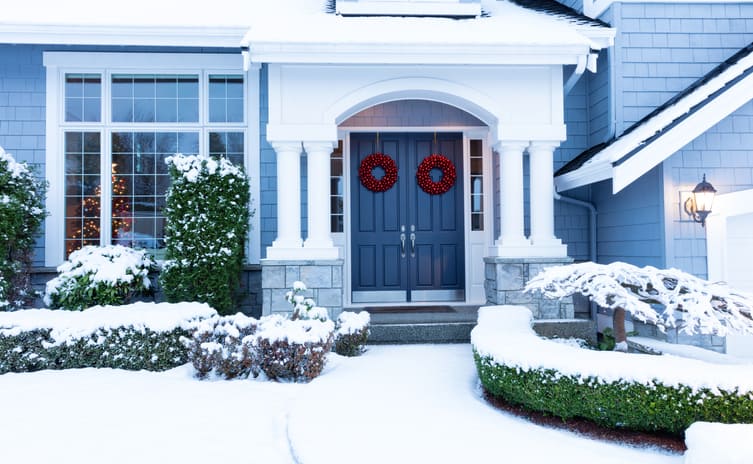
point(661, 392)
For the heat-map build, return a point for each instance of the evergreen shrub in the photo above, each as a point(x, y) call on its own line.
point(207, 217)
point(21, 214)
point(100, 275)
point(352, 333)
point(621, 404)
point(220, 345)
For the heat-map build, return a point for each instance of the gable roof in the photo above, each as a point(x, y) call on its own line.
point(666, 129)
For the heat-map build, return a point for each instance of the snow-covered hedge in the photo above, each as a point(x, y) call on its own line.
point(206, 223)
point(352, 333)
point(138, 336)
point(21, 214)
point(241, 346)
point(719, 443)
point(632, 391)
point(100, 275)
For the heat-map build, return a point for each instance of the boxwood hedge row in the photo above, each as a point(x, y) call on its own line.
point(619, 404)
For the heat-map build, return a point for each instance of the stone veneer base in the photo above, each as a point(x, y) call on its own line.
point(323, 278)
point(505, 279)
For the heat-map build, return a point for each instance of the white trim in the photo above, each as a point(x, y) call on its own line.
point(595, 8)
point(180, 36)
point(725, 206)
point(59, 64)
point(413, 54)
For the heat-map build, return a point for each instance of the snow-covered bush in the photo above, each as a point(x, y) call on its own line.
point(293, 349)
point(207, 216)
point(106, 275)
point(352, 332)
point(304, 308)
point(631, 391)
point(138, 336)
point(21, 214)
point(217, 344)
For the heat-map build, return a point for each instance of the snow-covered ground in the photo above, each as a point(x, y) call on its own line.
point(394, 404)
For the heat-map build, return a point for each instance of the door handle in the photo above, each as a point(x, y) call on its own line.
point(412, 244)
point(402, 245)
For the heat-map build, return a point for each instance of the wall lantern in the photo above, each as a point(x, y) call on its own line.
point(698, 205)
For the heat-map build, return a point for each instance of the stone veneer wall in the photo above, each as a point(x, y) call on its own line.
point(323, 278)
point(709, 342)
point(505, 279)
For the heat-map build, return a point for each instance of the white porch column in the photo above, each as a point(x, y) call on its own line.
point(319, 243)
point(288, 242)
point(542, 201)
point(512, 240)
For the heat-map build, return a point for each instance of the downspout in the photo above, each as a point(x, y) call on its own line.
point(591, 236)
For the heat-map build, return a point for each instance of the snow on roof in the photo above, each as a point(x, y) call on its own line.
point(666, 129)
point(189, 23)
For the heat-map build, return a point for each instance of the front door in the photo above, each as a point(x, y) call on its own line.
point(407, 244)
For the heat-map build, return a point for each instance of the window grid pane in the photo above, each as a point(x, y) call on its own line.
point(145, 98)
point(82, 190)
point(83, 98)
point(337, 195)
point(477, 185)
point(140, 182)
point(225, 98)
point(227, 145)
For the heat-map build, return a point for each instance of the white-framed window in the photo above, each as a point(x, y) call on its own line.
point(113, 119)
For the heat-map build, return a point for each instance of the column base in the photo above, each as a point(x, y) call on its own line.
point(323, 278)
point(298, 253)
point(553, 249)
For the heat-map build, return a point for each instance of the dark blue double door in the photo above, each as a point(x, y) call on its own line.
point(407, 245)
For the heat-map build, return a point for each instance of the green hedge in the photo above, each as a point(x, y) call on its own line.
point(120, 348)
point(621, 404)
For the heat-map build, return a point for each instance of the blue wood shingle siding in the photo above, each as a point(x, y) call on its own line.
point(22, 111)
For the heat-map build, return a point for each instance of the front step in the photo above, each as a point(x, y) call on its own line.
point(432, 332)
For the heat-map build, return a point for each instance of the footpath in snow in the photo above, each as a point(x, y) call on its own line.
point(394, 404)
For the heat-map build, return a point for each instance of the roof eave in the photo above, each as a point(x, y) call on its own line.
point(175, 36)
point(585, 175)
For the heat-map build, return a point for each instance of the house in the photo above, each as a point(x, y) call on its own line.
point(335, 108)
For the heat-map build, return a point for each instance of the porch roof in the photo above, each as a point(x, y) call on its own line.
point(666, 129)
point(284, 28)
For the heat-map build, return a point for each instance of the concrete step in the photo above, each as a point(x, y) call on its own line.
point(431, 332)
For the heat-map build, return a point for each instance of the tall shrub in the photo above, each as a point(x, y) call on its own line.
point(21, 214)
point(207, 218)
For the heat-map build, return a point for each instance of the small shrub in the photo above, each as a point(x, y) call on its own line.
point(293, 350)
point(218, 345)
point(304, 308)
point(107, 275)
point(352, 332)
point(21, 214)
point(207, 216)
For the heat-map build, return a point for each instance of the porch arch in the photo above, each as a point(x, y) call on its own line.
point(414, 88)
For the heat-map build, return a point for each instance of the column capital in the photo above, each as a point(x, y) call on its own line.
point(543, 145)
point(316, 147)
point(287, 146)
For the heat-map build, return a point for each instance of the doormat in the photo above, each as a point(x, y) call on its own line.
point(409, 309)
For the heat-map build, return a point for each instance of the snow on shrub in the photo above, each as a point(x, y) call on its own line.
point(719, 443)
point(304, 308)
point(691, 304)
point(632, 391)
point(138, 336)
point(21, 214)
point(293, 349)
point(217, 345)
point(352, 332)
point(106, 275)
point(207, 216)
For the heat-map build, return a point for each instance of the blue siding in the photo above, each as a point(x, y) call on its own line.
point(268, 170)
point(22, 111)
point(630, 226)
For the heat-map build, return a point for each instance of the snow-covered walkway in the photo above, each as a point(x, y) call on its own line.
point(395, 404)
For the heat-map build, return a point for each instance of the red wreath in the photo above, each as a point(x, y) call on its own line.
point(378, 160)
point(445, 183)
